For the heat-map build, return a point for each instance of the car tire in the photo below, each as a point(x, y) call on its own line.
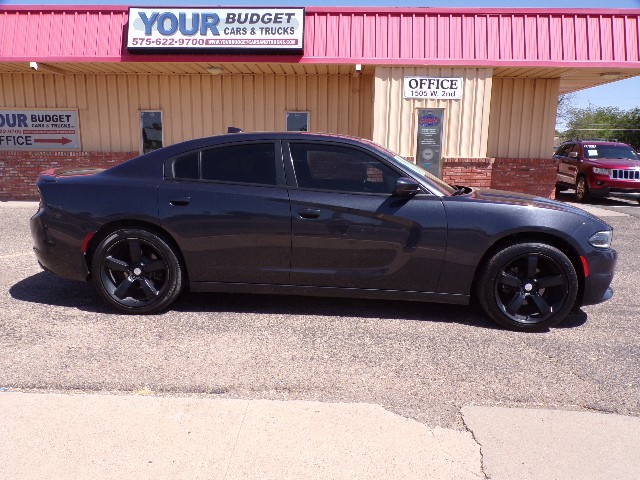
point(582, 189)
point(137, 271)
point(528, 286)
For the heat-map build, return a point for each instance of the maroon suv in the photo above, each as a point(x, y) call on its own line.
point(597, 168)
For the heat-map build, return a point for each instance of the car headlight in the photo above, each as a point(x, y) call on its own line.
point(601, 239)
point(601, 171)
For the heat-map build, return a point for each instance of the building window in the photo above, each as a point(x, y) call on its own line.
point(151, 129)
point(297, 121)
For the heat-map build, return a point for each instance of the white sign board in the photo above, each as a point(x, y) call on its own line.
point(39, 130)
point(216, 28)
point(435, 88)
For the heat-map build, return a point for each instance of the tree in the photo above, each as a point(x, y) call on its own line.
point(607, 123)
point(565, 106)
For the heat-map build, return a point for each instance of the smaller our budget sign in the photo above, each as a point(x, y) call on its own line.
point(39, 130)
point(436, 88)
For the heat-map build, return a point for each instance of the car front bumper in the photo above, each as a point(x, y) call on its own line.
point(597, 284)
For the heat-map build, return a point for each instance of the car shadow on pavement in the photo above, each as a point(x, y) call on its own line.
point(47, 289)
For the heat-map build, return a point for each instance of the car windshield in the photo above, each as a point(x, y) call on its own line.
point(610, 151)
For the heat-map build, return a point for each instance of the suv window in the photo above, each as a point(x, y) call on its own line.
point(564, 150)
point(340, 168)
point(609, 151)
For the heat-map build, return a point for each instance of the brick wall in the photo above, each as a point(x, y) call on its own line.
point(19, 169)
point(474, 172)
point(533, 176)
point(526, 175)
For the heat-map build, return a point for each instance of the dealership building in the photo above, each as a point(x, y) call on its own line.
point(469, 93)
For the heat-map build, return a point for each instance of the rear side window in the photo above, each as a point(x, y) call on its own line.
point(251, 163)
point(186, 166)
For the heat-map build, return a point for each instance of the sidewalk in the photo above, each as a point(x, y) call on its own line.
point(81, 436)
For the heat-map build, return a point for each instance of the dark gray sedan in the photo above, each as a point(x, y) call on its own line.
point(314, 214)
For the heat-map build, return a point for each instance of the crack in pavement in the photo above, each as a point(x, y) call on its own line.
point(473, 435)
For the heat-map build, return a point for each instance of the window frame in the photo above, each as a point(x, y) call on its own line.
point(286, 117)
point(292, 180)
point(279, 168)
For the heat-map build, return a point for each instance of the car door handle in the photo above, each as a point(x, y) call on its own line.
point(309, 213)
point(180, 201)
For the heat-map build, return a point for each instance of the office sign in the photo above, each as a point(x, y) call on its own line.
point(215, 28)
point(434, 88)
point(429, 140)
point(39, 130)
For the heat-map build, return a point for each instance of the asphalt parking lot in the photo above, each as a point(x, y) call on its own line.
point(421, 361)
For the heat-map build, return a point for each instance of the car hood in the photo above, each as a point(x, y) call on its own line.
point(524, 200)
point(615, 163)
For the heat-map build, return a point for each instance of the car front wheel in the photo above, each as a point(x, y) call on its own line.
point(528, 286)
point(136, 271)
point(582, 189)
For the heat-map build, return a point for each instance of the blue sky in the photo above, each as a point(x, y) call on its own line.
point(623, 94)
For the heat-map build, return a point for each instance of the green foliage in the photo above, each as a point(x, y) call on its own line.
point(605, 123)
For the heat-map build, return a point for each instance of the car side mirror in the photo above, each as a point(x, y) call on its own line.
point(406, 187)
point(573, 154)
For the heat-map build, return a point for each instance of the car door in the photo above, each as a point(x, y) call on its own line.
point(228, 209)
point(350, 231)
point(569, 158)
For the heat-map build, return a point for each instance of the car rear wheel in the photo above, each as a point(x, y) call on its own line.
point(136, 271)
point(582, 189)
point(528, 286)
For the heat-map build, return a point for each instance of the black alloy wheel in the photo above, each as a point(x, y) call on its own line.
point(582, 189)
point(528, 286)
point(136, 271)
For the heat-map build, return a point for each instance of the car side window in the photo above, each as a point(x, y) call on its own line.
point(564, 150)
point(186, 167)
point(576, 148)
point(249, 163)
point(340, 168)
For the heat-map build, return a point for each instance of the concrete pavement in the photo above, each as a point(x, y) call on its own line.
point(88, 436)
point(546, 444)
point(78, 436)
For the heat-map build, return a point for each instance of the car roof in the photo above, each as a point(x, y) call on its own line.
point(595, 142)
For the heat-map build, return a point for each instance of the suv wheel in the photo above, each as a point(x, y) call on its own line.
point(582, 189)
